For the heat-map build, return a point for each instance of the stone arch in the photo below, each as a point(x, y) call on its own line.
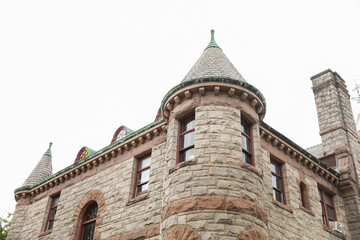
point(181, 232)
point(90, 197)
point(252, 234)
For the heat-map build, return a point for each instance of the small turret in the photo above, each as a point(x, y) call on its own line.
point(42, 170)
point(213, 63)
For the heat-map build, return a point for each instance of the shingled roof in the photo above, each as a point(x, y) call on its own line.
point(42, 170)
point(213, 63)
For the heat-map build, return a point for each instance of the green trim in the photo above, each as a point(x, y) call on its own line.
point(214, 79)
point(90, 151)
point(128, 130)
point(48, 152)
point(90, 156)
point(212, 41)
point(297, 147)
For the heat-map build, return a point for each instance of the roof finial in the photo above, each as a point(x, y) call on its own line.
point(48, 152)
point(212, 42)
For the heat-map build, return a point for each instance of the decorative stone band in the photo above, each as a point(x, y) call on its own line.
point(93, 162)
point(339, 126)
point(204, 88)
point(186, 232)
point(297, 155)
point(231, 204)
point(143, 233)
point(181, 232)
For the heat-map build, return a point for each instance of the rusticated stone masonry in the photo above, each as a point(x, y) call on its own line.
point(231, 204)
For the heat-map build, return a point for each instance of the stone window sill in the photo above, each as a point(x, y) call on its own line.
point(308, 211)
point(283, 206)
point(183, 164)
point(138, 199)
point(45, 233)
point(251, 168)
point(339, 235)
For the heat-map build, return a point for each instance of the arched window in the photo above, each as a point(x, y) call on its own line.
point(88, 223)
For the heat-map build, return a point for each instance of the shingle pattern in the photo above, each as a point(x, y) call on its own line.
point(42, 171)
point(213, 63)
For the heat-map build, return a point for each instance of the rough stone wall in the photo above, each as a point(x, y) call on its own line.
point(118, 217)
point(290, 221)
point(17, 222)
point(352, 212)
point(199, 195)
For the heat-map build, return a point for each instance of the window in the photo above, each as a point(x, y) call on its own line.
point(52, 213)
point(186, 139)
point(88, 222)
point(303, 194)
point(246, 141)
point(277, 182)
point(142, 175)
point(327, 207)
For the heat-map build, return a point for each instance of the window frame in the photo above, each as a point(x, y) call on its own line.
point(181, 133)
point(84, 222)
point(323, 205)
point(250, 138)
point(137, 171)
point(281, 176)
point(51, 207)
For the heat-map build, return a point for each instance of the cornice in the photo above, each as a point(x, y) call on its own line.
point(300, 155)
point(233, 88)
point(93, 161)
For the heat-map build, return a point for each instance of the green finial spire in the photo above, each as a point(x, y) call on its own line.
point(212, 42)
point(48, 152)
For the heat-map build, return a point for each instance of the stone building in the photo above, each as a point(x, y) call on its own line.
point(208, 167)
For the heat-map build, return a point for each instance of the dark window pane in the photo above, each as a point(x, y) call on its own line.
point(328, 199)
point(92, 213)
point(89, 231)
point(275, 168)
point(144, 162)
point(51, 223)
point(330, 212)
point(188, 124)
point(302, 194)
point(187, 139)
point(142, 188)
point(143, 176)
point(187, 154)
point(245, 143)
point(245, 128)
point(52, 213)
point(277, 195)
point(246, 157)
point(276, 182)
point(55, 202)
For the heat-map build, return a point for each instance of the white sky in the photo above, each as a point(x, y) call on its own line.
point(72, 72)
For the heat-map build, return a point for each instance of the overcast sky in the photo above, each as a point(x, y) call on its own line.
point(72, 72)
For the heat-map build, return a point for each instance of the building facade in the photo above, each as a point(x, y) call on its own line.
point(208, 167)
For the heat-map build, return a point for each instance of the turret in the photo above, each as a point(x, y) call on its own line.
point(42, 170)
point(213, 180)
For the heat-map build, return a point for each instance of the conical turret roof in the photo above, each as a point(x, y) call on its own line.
point(42, 170)
point(213, 63)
